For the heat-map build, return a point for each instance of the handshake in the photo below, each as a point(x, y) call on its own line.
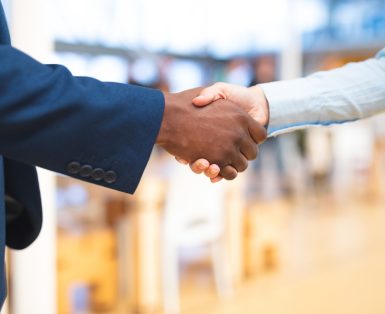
point(216, 130)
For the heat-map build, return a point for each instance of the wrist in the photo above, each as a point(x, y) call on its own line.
point(164, 127)
point(261, 102)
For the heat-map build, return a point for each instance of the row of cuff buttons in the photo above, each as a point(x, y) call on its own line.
point(87, 171)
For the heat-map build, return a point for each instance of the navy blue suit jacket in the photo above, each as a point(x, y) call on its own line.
point(99, 132)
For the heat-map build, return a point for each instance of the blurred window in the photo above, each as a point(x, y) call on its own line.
point(105, 68)
point(184, 74)
point(145, 72)
point(221, 28)
point(345, 21)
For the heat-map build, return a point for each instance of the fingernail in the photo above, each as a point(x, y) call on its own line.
point(212, 171)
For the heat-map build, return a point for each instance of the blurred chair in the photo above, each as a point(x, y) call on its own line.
point(353, 147)
point(194, 216)
point(87, 259)
point(295, 164)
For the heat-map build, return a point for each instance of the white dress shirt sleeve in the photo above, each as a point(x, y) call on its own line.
point(354, 91)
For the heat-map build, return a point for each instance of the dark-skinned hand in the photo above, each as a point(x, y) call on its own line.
point(221, 133)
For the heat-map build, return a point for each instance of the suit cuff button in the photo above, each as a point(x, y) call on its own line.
point(86, 171)
point(73, 167)
point(97, 174)
point(110, 177)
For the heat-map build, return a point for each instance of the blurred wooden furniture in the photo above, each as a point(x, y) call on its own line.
point(194, 216)
point(88, 258)
point(263, 225)
point(135, 224)
point(144, 239)
point(376, 173)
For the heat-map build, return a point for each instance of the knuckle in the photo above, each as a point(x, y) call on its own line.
point(220, 85)
point(228, 152)
point(239, 140)
point(244, 120)
point(243, 167)
point(225, 172)
point(255, 152)
point(232, 176)
point(240, 115)
point(229, 173)
point(248, 147)
point(239, 136)
point(263, 135)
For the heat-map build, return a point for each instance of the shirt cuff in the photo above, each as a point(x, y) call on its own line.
point(292, 105)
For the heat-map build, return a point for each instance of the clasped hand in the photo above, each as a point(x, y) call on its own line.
point(218, 139)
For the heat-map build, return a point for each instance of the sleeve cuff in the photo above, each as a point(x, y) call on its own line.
point(290, 105)
point(140, 149)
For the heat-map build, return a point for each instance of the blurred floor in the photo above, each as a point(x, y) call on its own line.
point(332, 261)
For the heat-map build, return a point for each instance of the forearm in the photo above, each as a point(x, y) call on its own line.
point(49, 118)
point(352, 92)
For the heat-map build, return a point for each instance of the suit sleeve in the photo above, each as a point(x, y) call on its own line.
point(99, 132)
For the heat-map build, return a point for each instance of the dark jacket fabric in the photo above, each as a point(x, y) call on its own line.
point(99, 132)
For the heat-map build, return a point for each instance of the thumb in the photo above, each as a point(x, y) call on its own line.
point(260, 118)
point(209, 95)
point(257, 131)
point(205, 99)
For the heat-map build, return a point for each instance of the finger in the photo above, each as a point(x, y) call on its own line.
point(216, 179)
point(257, 131)
point(203, 100)
point(182, 161)
point(212, 171)
point(199, 166)
point(210, 94)
point(240, 163)
point(250, 151)
point(229, 173)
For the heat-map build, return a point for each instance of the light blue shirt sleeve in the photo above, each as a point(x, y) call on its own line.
point(352, 92)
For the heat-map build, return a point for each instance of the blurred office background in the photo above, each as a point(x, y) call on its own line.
point(302, 231)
